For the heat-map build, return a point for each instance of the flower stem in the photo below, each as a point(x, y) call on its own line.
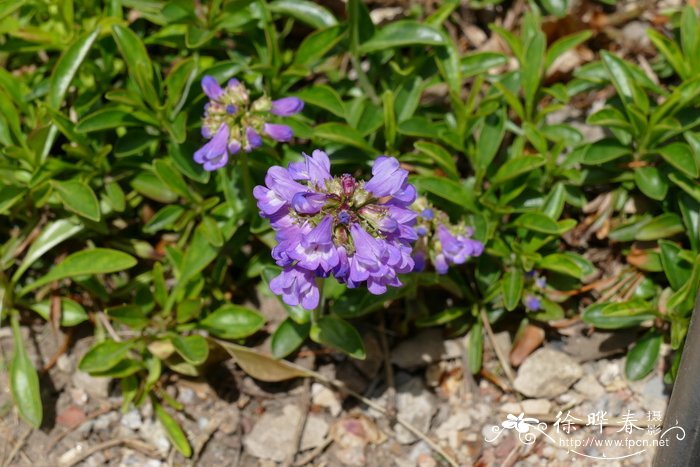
point(247, 184)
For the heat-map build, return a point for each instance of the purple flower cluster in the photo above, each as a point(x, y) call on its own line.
point(232, 123)
point(359, 232)
point(444, 243)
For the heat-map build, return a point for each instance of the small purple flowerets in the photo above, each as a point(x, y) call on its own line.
point(232, 123)
point(359, 232)
point(444, 243)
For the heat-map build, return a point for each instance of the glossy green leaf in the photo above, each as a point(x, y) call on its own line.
point(106, 119)
point(24, 381)
point(562, 263)
point(651, 182)
point(343, 134)
point(233, 322)
point(446, 189)
point(677, 271)
point(139, 63)
point(339, 334)
point(516, 167)
point(52, 235)
point(663, 226)
point(130, 315)
point(476, 347)
point(150, 186)
point(563, 44)
point(104, 356)
point(556, 7)
point(288, 337)
point(618, 315)
point(439, 156)
point(79, 198)
point(643, 356)
point(305, 11)
point(324, 97)
point(194, 349)
point(512, 283)
point(537, 222)
point(402, 33)
point(67, 66)
point(83, 263)
point(173, 430)
point(477, 63)
point(605, 150)
point(72, 313)
point(681, 157)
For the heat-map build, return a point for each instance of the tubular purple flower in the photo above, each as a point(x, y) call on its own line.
point(254, 139)
point(213, 155)
point(281, 133)
point(316, 249)
point(532, 303)
point(335, 226)
point(211, 88)
point(297, 287)
point(388, 177)
point(457, 249)
point(316, 168)
point(287, 106)
point(308, 203)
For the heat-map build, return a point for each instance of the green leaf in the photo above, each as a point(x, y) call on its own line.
point(478, 63)
point(642, 357)
point(605, 150)
point(116, 196)
point(173, 179)
point(305, 11)
point(339, 334)
point(165, 218)
point(67, 66)
point(556, 7)
point(563, 44)
point(517, 166)
point(445, 316)
point(343, 134)
point(537, 222)
point(663, 226)
point(72, 313)
point(624, 80)
point(512, 284)
point(677, 271)
point(173, 430)
point(150, 186)
point(104, 356)
point(288, 337)
point(402, 33)
point(233, 322)
point(194, 349)
point(9, 195)
point(317, 44)
point(490, 139)
point(618, 315)
point(137, 61)
point(440, 156)
point(680, 156)
point(105, 119)
point(446, 189)
point(79, 198)
point(24, 381)
point(651, 182)
point(562, 263)
point(83, 263)
point(324, 97)
point(476, 347)
point(131, 315)
point(52, 235)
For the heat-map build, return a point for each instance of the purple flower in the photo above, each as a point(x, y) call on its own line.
point(281, 133)
point(388, 177)
point(245, 122)
point(532, 303)
point(541, 282)
point(287, 106)
point(459, 248)
point(335, 226)
point(211, 88)
point(214, 154)
point(297, 286)
point(445, 244)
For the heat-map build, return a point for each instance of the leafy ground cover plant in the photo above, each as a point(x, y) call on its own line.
point(140, 194)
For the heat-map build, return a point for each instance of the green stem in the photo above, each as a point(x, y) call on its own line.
point(247, 183)
point(363, 80)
